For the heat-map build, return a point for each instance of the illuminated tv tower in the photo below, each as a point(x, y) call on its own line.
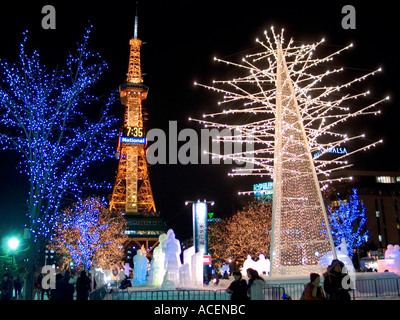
point(132, 194)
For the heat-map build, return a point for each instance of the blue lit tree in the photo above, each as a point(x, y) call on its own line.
point(90, 234)
point(348, 221)
point(44, 116)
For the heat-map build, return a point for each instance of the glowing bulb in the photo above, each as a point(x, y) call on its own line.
point(13, 243)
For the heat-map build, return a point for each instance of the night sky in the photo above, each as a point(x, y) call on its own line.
point(181, 38)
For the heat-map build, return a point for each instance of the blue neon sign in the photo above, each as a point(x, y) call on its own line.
point(263, 188)
point(134, 140)
point(336, 150)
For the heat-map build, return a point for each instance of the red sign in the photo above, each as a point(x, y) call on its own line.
point(207, 260)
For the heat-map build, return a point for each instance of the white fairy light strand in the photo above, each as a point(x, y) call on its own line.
point(321, 110)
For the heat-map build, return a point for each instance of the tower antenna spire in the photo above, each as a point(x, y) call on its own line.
point(135, 33)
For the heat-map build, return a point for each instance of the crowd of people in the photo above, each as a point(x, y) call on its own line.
point(67, 287)
point(333, 287)
point(241, 290)
point(11, 288)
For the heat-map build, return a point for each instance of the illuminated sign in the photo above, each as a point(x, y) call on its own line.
point(200, 234)
point(263, 188)
point(133, 140)
point(211, 219)
point(331, 150)
point(134, 135)
point(207, 260)
point(136, 132)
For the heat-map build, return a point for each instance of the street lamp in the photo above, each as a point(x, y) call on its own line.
point(13, 243)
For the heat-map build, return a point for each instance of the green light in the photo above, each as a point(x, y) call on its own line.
point(13, 243)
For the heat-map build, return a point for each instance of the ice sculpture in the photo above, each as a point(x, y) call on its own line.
point(127, 269)
point(184, 276)
point(150, 274)
point(391, 262)
point(172, 249)
point(262, 265)
point(197, 270)
point(158, 262)
point(140, 268)
point(248, 263)
point(191, 272)
point(392, 252)
point(185, 271)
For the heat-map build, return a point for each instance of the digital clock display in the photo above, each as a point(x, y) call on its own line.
point(133, 135)
point(134, 132)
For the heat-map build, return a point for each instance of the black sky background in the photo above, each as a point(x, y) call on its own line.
point(181, 38)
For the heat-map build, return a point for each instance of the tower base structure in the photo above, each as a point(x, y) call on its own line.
point(144, 232)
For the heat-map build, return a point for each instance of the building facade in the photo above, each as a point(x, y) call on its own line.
point(380, 194)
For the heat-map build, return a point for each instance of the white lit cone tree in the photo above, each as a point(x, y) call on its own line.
point(286, 106)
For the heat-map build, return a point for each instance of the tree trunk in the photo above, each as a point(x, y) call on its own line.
point(30, 275)
point(32, 266)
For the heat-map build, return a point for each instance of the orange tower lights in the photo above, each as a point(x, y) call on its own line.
point(132, 193)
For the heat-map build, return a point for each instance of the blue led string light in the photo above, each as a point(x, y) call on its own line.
point(348, 221)
point(80, 230)
point(44, 117)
